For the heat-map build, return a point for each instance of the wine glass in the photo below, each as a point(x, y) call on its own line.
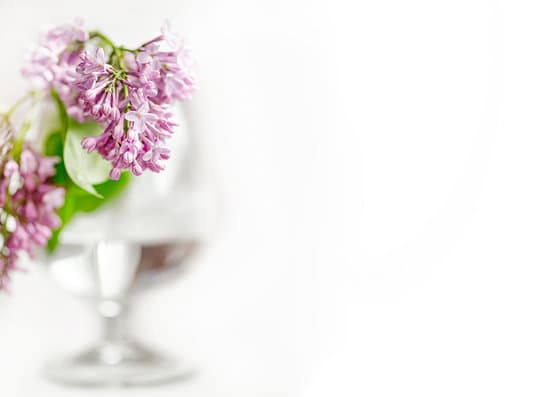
point(142, 239)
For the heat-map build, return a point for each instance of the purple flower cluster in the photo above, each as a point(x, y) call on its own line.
point(51, 65)
point(128, 92)
point(28, 204)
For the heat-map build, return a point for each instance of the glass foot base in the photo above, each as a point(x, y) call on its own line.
point(122, 364)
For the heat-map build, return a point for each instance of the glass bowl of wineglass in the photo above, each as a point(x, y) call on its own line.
point(143, 239)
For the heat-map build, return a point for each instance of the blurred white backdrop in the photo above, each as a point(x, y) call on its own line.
point(383, 169)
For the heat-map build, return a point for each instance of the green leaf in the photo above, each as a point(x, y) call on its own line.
point(85, 169)
point(53, 146)
point(110, 189)
point(66, 213)
point(78, 200)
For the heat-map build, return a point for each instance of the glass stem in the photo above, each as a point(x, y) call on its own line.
point(114, 320)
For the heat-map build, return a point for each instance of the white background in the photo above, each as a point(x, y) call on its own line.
point(384, 172)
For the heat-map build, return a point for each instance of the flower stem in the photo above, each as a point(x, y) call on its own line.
point(128, 50)
point(158, 38)
point(97, 34)
point(25, 127)
point(117, 51)
point(18, 103)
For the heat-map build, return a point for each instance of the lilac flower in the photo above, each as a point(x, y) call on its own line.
point(142, 118)
point(29, 203)
point(53, 63)
point(170, 71)
point(128, 92)
point(96, 89)
point(56, 55)
point(132, 100)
